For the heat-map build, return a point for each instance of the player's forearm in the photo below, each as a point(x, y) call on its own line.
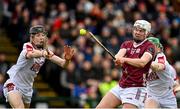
point(139, 62)
point(35, 54)
point(120, 54)
point(135, 62)
point(66, 63)
point(59, 61)
point(157, 66)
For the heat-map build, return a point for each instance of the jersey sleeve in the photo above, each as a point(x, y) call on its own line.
point(27, 47)
point(173, 73)
point(160, 58)
point(151, 50)
point(125, 44)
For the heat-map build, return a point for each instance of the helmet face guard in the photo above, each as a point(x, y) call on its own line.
point(37, 29)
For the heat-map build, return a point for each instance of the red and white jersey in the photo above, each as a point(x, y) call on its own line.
point(134, 76)
point(25, 70)
point(173, 74)
point(159, 82)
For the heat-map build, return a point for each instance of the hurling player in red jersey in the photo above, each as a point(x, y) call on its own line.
point(135, 57)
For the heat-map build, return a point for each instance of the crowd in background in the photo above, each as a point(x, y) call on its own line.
point(91, 73)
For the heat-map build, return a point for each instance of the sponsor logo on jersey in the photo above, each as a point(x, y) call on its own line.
point(138, 50)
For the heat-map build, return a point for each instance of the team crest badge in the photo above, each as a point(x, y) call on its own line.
point(138, 50)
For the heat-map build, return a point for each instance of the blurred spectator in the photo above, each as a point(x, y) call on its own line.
point(175, 31)
point(177, 52)
point(88, 76)
point(79, 94)
point(3, 64)
point(69, 79)
point(106, 66)
point(116, 74)
point(96, 66)
point(2, 78)
point(1, 12)
point(106, 84)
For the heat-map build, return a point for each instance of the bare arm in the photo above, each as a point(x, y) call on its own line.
point(43, 53)
point(64, 81)
point(138, 62)
point(59, 61)
point(121, 53)
point(68, 54)
point(36, 54)
point(176, 86)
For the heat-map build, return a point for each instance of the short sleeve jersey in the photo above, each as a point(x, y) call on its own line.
point(134, 76)
point(25, 70)
point(164, 78)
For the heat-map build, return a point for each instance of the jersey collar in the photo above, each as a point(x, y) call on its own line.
point(137, 45)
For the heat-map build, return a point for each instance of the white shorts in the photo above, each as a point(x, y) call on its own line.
point(166, 101)
point(132, 95)
point(9, 86)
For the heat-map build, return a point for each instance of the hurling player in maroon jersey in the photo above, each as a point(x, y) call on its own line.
point(135, 57)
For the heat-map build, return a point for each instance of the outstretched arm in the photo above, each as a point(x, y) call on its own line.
point(36, 54)
point(68, 54)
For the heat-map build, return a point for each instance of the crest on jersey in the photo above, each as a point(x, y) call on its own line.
point(128, 49)
point(151, 50)
point(138, 50)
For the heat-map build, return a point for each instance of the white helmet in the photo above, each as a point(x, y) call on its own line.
point(143, 24)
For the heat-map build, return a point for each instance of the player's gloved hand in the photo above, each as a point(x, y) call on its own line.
point(68, 53)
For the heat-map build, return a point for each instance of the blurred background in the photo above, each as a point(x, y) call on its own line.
point(91, 73)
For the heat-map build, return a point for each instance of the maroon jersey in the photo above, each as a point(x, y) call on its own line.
point(133, 76)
